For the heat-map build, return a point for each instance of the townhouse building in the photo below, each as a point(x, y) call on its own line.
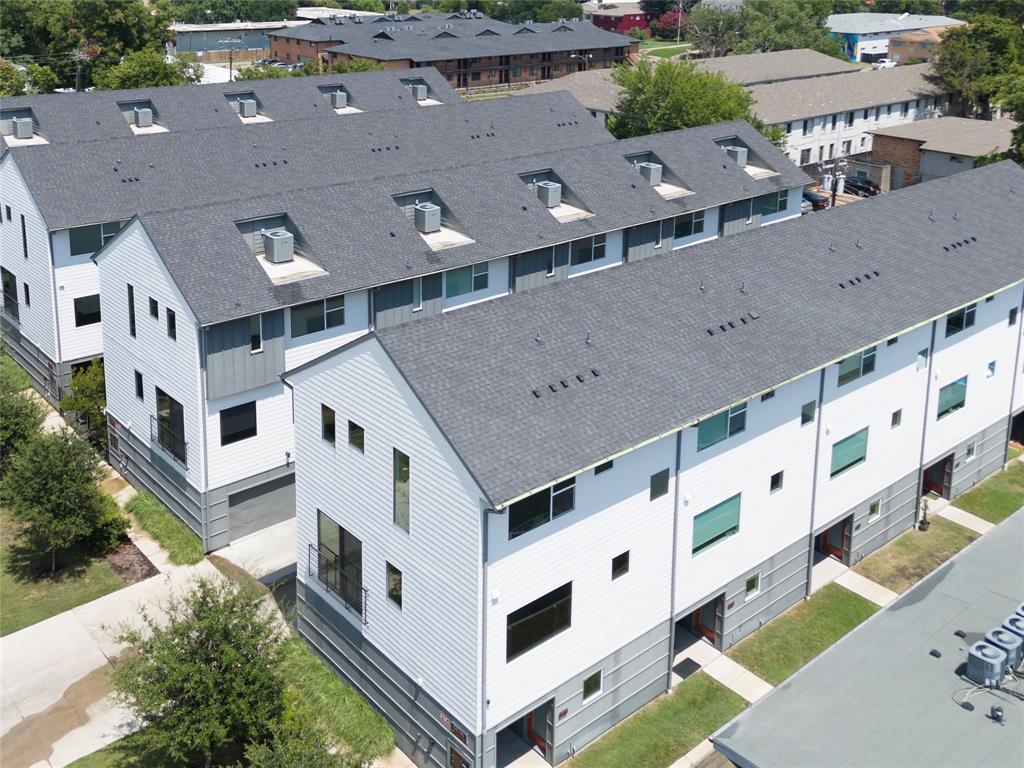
point(75, 167)
point(206, 306)
point(866, 36)
point(508, 516)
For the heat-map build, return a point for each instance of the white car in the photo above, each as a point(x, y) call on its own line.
point(883, 64)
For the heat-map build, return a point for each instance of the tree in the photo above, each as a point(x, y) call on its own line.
point(88, 401)
point(781, 25)
point(149, 68)
point(204, 680)
point(714, 30)
point(1010, 97)
point(212, 11)
point(668, 26)
point(20, 420)
point(970, 60)
point(261, 72)
point(40, 79)
point(50, 486)
point(12, 79)
point(636, 33)
point(553, 10)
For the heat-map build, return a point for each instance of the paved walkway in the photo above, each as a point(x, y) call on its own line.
point(268, 554)
point(869, 590)
point(966, 519)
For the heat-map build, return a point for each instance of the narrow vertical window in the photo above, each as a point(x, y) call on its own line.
point(172, 324)
point(807, 413)
point(24, 237)
point(154, 308)
point(28, 296)
point(357, 436)
point(417, 294)
point(131, 310)
point(400, 493)
point(1012, 320)
point(897, 418)
point(776, 482)
point(327, 422)
point(255, 333)
point(620, 565)
point(394, 581)
point(139, 391)
point(659, 484)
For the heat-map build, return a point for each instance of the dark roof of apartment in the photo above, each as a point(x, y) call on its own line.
point(362, 238)
point(101, 181)
point(440, 36)
point(755, 68)
point(647, 338)
point(71, 118)
point(878, 697)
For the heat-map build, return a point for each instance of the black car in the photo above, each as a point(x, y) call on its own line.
point(818, 202)
point(861, 187)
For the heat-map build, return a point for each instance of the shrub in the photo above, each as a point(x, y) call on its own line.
point(110, 528)
point(20, 419)
point(88, 401)
point(298, 740)
point(181, 543)
point(636, 33)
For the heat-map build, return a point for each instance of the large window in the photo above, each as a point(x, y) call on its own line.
point(719, 522)
point(855, 366)
point(722, 425)
point(90, 239)
point(689, 224)
point(952, 397)
point(961, 319)
point(317, 315)
point(849, 452)
point(340, 562)
point(401, 489)
point(87, 310)
point(538, 621)
point(541, 507)
point(586, 250)
point(238, 423)
point(773, 202)
point(170, 420)
point(458, 282)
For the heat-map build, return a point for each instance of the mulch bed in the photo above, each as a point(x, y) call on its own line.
point(130, 564)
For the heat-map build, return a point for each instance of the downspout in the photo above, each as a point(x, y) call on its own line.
point(483, 635)
point(672, 588)
point(1013, 378)
point(204, 509)
point(814, 480)
point(924, 426)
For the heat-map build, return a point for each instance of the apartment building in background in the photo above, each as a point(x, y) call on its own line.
point(510, 516)
point(866, 36)
point(616, 17)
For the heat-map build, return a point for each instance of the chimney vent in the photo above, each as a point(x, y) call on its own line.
point(143, 117)
point(651, 172)
point(427, 217)
point(339, 99)
point(278, 245)
point(550, 193)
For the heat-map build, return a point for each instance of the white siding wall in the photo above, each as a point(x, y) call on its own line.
point(613, 514)
point(171, 364)
point(935, 165)
point(1018, 392)
point(76, 276)
point(435, 635)
point(312, 345)
point(38, 322)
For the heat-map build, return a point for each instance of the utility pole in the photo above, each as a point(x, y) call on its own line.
point(79, 56)
point(230, 42)
point(679, 22)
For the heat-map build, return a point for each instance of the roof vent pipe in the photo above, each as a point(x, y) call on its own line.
point(278, 245)
point(339, 99)
point(427, 217)
point(651, 172)
point(143, 117)
point(550, 193)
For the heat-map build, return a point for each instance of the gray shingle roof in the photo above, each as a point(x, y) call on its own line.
point(359, 235)
point(475, 370)
point(594, 89)
point(754, 68)
point(880, 23)
point(782, 102)
point(71, 118)
point(956, 135)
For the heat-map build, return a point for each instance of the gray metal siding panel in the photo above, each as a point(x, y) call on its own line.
point(734, 217)
point(392, 304)
point(640, 241)
point(232, 367)
point(990, 453)
point(530, 270)
point(897, 504)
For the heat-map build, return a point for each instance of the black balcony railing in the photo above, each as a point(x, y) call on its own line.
point(160, 432)
point(343, 580)
point(11, 305)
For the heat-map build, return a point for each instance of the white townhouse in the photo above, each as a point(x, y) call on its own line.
point(510, 516)
point(828, 117)
point(74, 168)
point(207, 306)
point(865, 36)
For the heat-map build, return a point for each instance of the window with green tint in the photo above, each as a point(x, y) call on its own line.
point(307, 318)
point(855, 366)
point(401, 489)
point(807, 411)
point(952, 397)
point(717, 523)
point(961, 319)
point(592, 685)
point(849, 452)
point(722, 425)
point(458, 282)
point(689, 224)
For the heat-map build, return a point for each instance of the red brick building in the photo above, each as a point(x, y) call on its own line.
point(616, 17)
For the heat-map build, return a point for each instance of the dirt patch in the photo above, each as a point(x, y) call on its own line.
point(130, 564)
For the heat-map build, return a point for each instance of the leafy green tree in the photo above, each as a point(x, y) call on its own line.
point(297, 741)
point(713, 29)
point(20, 420)
point(211, 11)
point(12, 79)
point(553, 10)
point(204, 681)
point(40, 79)
point(149, 68)
point(782, 25)
point(636, 33)
point(668, 26)
point(1010, 97)
point(50, 486)
point(88, 402)
point(261, 72)
point(971, 60)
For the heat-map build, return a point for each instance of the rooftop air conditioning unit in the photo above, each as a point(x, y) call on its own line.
point(1015, 624)
point(427, 217)
point(1012, 644)
point(278, 245)
point(339, 99)
point(418, 91)
point(550, 193)
point(651, 172)
point(21, 127)
point(985, 664)
point(143, 117)
point(247, 107)
point(739, 154)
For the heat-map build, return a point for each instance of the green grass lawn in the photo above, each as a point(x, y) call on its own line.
point(666, 729)
point(13, 377)
point(914, 554)
point(183, 546)
point(668, 51)
point(996, 498)
point(121, 754)
point(27, 592)
point(786, 643)
point(1012, 453)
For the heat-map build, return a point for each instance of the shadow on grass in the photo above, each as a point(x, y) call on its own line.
point(27, 564)
point(129, 752)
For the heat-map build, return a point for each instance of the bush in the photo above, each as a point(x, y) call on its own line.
point(88, 402)
point(111, 527)
point(20, 419)
point(297, 741)
point(636, 33)
point(181, 543)
point(13, 378)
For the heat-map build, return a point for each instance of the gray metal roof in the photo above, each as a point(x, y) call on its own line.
point(880, 23)
point(72, 118)
point(782, 102)
point(956, 135)
point(754, 68)
point(357, 233)
point(476, 369)
point(877, 698)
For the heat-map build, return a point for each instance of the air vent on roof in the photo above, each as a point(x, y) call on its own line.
point(143, 117)
point(739, 154)
point(860, 279)
point(278, 245)
point(732, 324)
point(558, 386)
point(550, 193)
point(21, 127)
point(247, 107)
point(985, 663)
point(339, 99)
point(959, 244)
point(1008, 642)
point(651, 172)
point(427, 217)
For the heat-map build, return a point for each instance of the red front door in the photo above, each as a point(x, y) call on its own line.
point(531, 731)
point(831, 541)
point(704, 621)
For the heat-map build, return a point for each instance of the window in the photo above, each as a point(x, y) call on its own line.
point(689, 224)
point(7, 210)
point(888, 109)
point(847, 147)
point(340, 562)
point(255, 333)
point(959, 320)
point(238, 423)
point(538, 621)
point(417, 294)
point(10, 286)
point(768, 395)
point(154, 308)
point(327, 424)
point(24, 237)
point(1012, 320)
point(896, 419)
point(139, 391)
point(831, 151)
point(952, 397)
point(865, 115)
point(334, 311)
point(776, 482)
point(773, 202)
point(807, 412)
point(400, 490)
point(172, 324)
point(874, 510)
point(855, 366)
point(990, 369)
point(620, 565)
point(459, 282)
point(849, 119)
point(722, 425)
point(87, 310)
point(28, 296)
point(753, 586)
point(906, 108)
point(131, 310)
point(835, 119)
point(659, 484)
point(592, 685)
point(586, 250)
point(357, 436)
point(603, 467)
point(394, 582)
point(170, 419)
point(821, 153)
point(315, 316)
point(789, 127)
point(849, 452)
point(971, 451)
point(922, 359)
point(892, 341)
point(878, 113)
point(717, 523)
point(541, 507)
point(807, 127)
point(805, 156)
point(85, 240)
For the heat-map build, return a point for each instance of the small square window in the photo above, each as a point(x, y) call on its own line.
point(603, 467)
point(922, 359)
point(139, 391)
point(620, 565)
point(659, 484)
point(807, 413)
point(394, 577)
point(768, 395)
point(356, 436)
point(753, 586)
point(776, 482)
point(172, 324)
point(327, 423)
point(154, 308)
point(893, 340)
point(592, 685)
point(990, 370)
point(897, 418)
point(971, 451)
point(1012, 320)
point(874, 510)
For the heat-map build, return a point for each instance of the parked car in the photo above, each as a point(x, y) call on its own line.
point(281, 65)
point(883, 64)
point(805, 207)
point(818, 202)
point(264, 62)
point(860, 187)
